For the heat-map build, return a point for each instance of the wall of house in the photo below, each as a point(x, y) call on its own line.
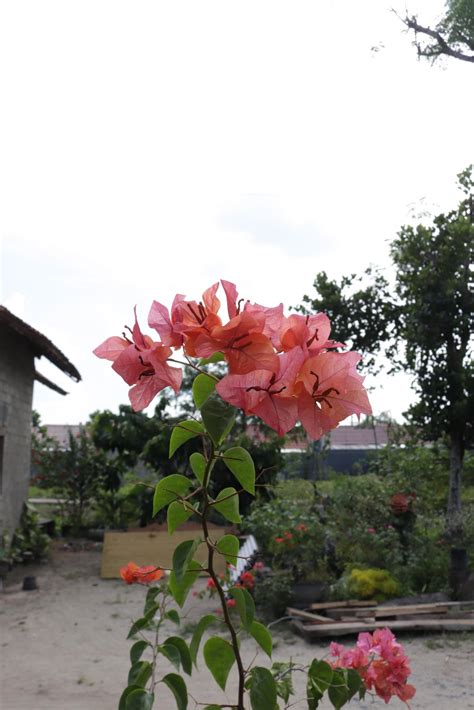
point(16, 393)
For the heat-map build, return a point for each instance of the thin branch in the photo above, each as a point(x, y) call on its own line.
point(443, 47)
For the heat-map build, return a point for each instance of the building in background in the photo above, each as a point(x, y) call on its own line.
point(20, 346)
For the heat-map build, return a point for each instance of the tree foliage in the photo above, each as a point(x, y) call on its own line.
point(423, 325)
point(452, 36)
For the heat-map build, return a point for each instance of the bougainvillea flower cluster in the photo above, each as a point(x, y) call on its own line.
point(381, 662)
point(134, 574)
point(283, 369)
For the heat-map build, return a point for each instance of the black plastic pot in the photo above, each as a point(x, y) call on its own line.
point(29, 584)
point(305, 593)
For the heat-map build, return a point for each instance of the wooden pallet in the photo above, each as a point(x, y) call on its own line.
point(339, 618)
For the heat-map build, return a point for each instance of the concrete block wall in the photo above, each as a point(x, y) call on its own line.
point(16, 395)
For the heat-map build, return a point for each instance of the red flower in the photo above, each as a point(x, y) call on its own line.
point(302, 527)
point(133, 573)
point(279, 540)
point(211, 584)
point(231, 603)
point(400, 503)
point(247, 580)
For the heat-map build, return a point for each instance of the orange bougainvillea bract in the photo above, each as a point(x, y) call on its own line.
point(134, 574)
point(283, 369)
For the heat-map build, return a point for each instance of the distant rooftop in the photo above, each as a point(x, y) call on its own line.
point(344, 437)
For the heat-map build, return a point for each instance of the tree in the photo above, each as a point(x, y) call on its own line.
point(424, 325)
point(452, 36)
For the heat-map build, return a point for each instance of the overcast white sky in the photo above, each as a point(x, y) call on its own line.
point(152, 148)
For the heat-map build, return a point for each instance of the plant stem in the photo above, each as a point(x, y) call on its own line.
point(212, 574)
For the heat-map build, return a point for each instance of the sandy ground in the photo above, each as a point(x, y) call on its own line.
point(63, 647)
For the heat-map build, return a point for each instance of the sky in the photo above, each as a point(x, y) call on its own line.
point(152, 148)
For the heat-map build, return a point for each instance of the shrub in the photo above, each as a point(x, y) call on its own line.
point(371, 584)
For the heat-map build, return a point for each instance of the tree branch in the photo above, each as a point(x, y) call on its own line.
point(443, 47)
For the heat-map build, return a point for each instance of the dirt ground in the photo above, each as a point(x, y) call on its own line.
point(63, 647)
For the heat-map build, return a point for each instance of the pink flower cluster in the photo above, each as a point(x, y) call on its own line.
point(381, 662)
point(281, 368)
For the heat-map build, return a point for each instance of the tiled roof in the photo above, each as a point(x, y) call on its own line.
point(39, 343)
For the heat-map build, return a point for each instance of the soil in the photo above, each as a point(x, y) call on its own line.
point(63, 646)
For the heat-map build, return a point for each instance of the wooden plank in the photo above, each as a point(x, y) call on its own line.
point(340, 629)
point(150, 548)
point(314, 618)
point(345, 603)
point(399, 610)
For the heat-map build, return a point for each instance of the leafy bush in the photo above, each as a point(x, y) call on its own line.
point(29, 542)
point(371, 584)
point(290, 531)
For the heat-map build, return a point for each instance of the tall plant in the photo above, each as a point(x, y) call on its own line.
point(281, 370)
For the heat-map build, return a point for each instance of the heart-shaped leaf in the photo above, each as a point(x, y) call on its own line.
point(218, 418)
point(198, 465)
point(183, 555)
point(262, 636)
point(178, 687)
point(203, 387)
point(227, 504)
point(180, 589)
point(245, 606)
point(183, 650)
point(239, 461)
point(219, 657)
point(203, 624)
point(169, 489)
point(263, 692)
point(182, 432)
point(229, 546)
point(178, 513)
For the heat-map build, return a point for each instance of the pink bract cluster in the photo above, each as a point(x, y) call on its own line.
point(381, 662)
point(282, 369)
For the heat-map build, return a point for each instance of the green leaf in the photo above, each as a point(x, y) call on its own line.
point(169, 489)
point(180, 590)
point(203, 387)
point(140, 673)
point(183, 650)
point(245, 605)
point(218, 418)
point(319, 679)
point(123, 698)
point(144, 623)
point(353, 681)
point(338, 692)
point(150, 603)
point(171, 653)
point(178, 687)
point(263, 692)
point(219, 658)
point(262, 636)
point(203, 624)
point(183, 555)
point(173, 616)
point(136, 651)
point(215, 357)
point(138, 699)
point(239, 461)
point(228, 546)
point(227, 504)
point(198, 465)
point(178, 513)
point(182, 432)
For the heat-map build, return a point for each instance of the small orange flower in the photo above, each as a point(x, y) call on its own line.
point(133, 573)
